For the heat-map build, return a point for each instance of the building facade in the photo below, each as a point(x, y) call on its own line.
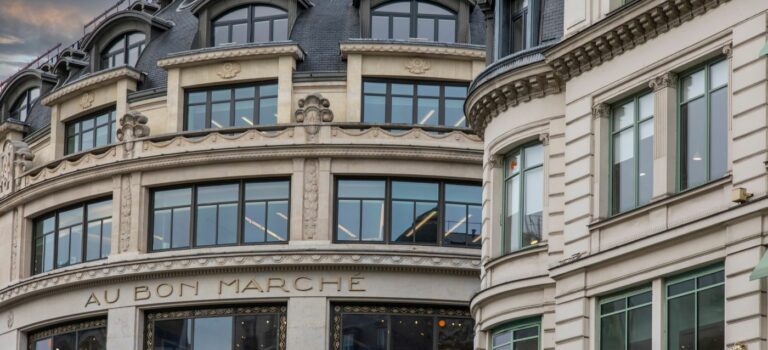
point(624, 176)
point(238, 174)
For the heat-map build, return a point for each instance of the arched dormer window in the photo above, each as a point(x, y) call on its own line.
point(125, 50)
point(250, 24)
point(23, 105)
point(413, 19)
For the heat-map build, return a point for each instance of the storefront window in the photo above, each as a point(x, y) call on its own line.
point(87, 335)
point(696, 310)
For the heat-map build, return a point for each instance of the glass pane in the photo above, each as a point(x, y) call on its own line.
point(429, 9)
point(374, 109)
point(415, 190)
point(526, 332)
point(464, 193)
point(267, 190)
point(518, 34)
point(161, 229)
point(268, 111)
point(373, 220)
point(268, 90)
point(428, 90)
point(456, 91)
point(534, 196)
point(534, 155)
point(87, 140)
point(221, 95)
point(234, 15)
point(239, 33)
point(220, 115)
point(48, 255)
point(205, 230)
point(718, 146)
point(367, 332)
point(396, 7)
point(348, 218)
point(280, 30)
point(44, 344)
point(427, 111)
point(694, 143)
point(402, 110)
point(245, 93)
point(681, 322)
point(173, 335)
point(377, 88)
point(135, 38)
point(361, 188)
point(93, 241)
point(220, 35)
point(227, 224)
point(646, 106)
point(624, 171)
point(718, 74)
point(426, 222)
point(92, 339)
point(133, 56)
point(455, 224)
point(623, 116)
point(277, 219)
point(261, 31)
point(76, 244)
point(455, 334)
point(475, 219)
point(710, 279)
point(244, 113)
point(106, 237)
point(402, 221)
point(645, 163)
point(613, 306)
point(38, 257)
point(446, 31)
point(102, 136)
point(512, 218)
point(612, 332)
point(530, 344)
point(693, 85)
point(639, 299)
point(380, 27)
point(513, 163)
point(196, 117)
point(412, 332)
point(217, 193)
point(213, 333)
point(256, 332)
point(401, 28)
point(402, 89)
point(173, 198)
point(267, 11)
point(64, 341)
point(426, 29)
point(454, 113)
point(680, 287)
point(502, 338)
point(181, 227)
point(255, 222)
point(71, 217)
point(711, 315)
point(639, 328)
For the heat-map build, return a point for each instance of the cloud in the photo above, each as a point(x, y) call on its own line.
point(9, 39)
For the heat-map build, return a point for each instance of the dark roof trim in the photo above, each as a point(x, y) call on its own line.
point(200, 5)
point(152, 21)
point(147, 94)
point(34, 74)
point(304, 77)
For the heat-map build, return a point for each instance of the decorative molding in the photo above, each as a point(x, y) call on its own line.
point(15, 236)
point(9, 322)
point(311, 195)
point(239, 53)
point(738, 346)
point(16, 157)
point(728, 50)
point(418, 65)
point(601, 110)
point(90, 81)
point(86, 101)
point(496, 161)
point(367, 47)
point(229, 70)
point(125, 214)
point(663, 81)
point(313, 111)
point(544, 138)
point(69, 328)
point(133, 126)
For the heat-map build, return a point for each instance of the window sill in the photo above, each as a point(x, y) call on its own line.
point(377, 47)
point(520, 253)
point(233, 52)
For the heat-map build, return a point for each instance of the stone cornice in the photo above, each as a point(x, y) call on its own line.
point(278, 259)
point(239, 52)
point(405, 48)
point(621, 31)
point(90, 81)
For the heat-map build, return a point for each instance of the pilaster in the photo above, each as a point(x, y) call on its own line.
point(285, 68)
point(308, 322)
point(664, 134)
point(354, 87)
point(124, 329)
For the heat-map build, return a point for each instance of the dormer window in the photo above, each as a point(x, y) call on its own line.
point(413, 20)
point(251, 24)
point(123, 51)
point(23, 105)
point(519, 26)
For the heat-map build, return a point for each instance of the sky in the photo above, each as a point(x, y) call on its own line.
point(28, 28)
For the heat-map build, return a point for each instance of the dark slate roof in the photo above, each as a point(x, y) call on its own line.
point(319, 29)
point(39, 117)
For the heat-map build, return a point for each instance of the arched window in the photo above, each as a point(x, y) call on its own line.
point(413, 19)
point(251, 24)
point(23, 105)
point(125, 50)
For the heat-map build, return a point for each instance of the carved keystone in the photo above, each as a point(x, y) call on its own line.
point(314, 110)
point(133, 126)
point(16, 158)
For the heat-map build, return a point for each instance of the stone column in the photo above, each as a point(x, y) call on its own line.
point(354, 88)
point(124, 329)
point(601, 202)
point(285, 89)
point(128, 231)
point(657, 315)
point(664, 134)
point(308, 326)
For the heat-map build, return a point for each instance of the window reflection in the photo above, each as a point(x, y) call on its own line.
point(23, 106)
point(632, 142)
point(251, 24)
point(518, 335)
point(696, 311)
point(524, 197)
point(423, 103)
point(91, 335)
point(240, 106)
point(413, 20)
point(89, 132)
point(125, 50)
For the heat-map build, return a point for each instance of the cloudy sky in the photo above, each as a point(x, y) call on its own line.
point(30, 27)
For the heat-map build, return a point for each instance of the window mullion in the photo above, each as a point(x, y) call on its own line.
point(707, 101)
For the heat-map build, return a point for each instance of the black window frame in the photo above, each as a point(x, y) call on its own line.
point(249, 22)
point(415, 97)
point(84, 244)
point(241, 201)
point(257, 98)
point(111, 130)
point(531, 17)
point(24, 102)
point(75, 327)
point(387, 224)
point(107, 57)
point(414, 17)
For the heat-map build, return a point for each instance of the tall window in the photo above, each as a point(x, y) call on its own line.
point(71, 236)
point(125, 50)
point(246, 212)
point(383, 327)
point(413, 19)
point(524, 197)
point(246, 327)
point(625, 321)
point(23, 105)
point(632, 156)
point(251, 24)
point(408, 211)
point(88, 335)
point(424, 103)
point(695, 310)
point(90, 132)
point(519, 335)
point(519, 25)
point(704, 124)
point(238, 106)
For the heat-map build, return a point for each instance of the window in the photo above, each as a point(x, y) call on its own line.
point(251, 24)
point(422, 103)
point(91, 132)
point(239, 106)
point(413, 19)
point(704, 124)
point(73, 235)
point(245, 212)
point(632, 153)
point(519, 26)
point(695, 310)
point(125, 50)
point(88, 335)
point(524, 197)
point(408, 212)
point(403, 328)
point(519, 335)
point(625, 321)
point(23, 105)
point(245, 327)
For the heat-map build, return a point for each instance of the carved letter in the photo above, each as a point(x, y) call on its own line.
point(235, 283)
point(281, 285)
point(305, 289)
point(106, 297)
point(181, 289)
point(141, 290)
point(354, 281)
point(164, 295)
point(92, 300)
point(337, 282)
point(252, 284)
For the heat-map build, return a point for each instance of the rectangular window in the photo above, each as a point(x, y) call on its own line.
point(518, 26)
point(523, 197)
point(89, 132)
point(243, 212)
point(408, 212)
point(422, 103)
point(632, 153)
point(91, 335)
point(625, 321)
point(73, 235)
point(696, 310)
point(236, 106)
point(390, 327)
point(704, 124)
point(254, 327)
point(519, 335)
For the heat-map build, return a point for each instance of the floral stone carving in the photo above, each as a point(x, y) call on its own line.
point(133, 126)
point(16, 158)
point(418, 66)
point(229, 70)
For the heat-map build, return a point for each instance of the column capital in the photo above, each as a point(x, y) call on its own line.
point(663, 81)
point(496, 161)
point(601, 110)
point(728, 50)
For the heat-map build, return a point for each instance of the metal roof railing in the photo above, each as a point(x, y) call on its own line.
point(47, 57)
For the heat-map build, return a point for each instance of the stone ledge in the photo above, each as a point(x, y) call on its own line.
point(234, 52)
point(410, 48)
point(91, 81)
